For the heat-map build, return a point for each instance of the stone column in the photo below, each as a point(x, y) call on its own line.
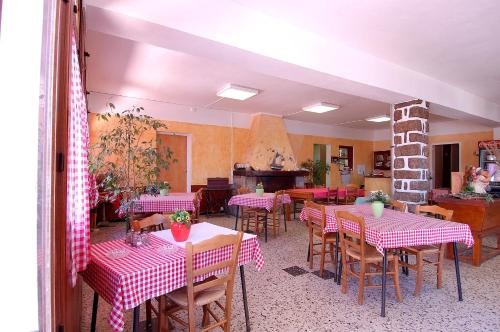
point(410, 127)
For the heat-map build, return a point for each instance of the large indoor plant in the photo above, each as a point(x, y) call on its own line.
point(127, 157)
point(317, 170)
point(378, 199)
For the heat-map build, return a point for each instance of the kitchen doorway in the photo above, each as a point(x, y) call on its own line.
point(446, 159)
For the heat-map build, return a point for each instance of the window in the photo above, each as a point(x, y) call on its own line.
point(345, 157)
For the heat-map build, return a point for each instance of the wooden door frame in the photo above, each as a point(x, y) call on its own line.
point(432, 157)
point(189, 142)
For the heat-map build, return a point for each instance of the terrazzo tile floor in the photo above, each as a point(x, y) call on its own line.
point(299, 300)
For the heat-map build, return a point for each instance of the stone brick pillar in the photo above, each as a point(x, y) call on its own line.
point(410, 127)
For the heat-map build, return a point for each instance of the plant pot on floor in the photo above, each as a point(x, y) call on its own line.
point(377, 209)
point(180, 231)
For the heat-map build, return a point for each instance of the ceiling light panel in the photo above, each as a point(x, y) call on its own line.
point(237, 92)
point(381, 118)
point(320, 108)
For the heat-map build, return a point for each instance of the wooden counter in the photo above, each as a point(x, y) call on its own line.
point(483, 219)
point(373, 183)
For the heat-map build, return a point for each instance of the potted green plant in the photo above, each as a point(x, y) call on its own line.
point(378, 199)
point(125, 159)
point(180, 225)
point(164, 188)
point(259, 189)
point(317, 170)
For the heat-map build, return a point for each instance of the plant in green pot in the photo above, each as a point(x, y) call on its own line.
point(378, 199)
point(259, 189)
point(180, 225)
point(164, 188)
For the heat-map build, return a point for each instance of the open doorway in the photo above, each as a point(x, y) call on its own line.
point(178, 174)
point(446, 159)
point(322, 154)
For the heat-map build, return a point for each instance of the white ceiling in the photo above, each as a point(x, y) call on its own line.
point(123, 67)
point(452, 41)
point(456, 41)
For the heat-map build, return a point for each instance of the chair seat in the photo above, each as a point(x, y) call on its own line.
point(424, 248)
point(371, 254)
point(330, 237)
point(201, 298)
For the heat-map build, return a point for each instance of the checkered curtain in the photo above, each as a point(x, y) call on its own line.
point(78, 209)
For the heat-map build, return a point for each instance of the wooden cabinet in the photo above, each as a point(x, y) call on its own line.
point(382, 160)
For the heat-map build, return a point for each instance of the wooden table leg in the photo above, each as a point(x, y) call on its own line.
point(162, 318)
point(476, 250)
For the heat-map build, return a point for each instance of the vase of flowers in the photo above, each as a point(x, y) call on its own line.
point(259, 189)
point(180, 225)
point(378, 199)
point(164, 188)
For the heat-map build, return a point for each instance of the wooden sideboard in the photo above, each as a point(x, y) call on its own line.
point(483, 219)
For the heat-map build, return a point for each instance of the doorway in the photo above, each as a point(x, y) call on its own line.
point(178, 173)
point(322, 153)
point(446, 159)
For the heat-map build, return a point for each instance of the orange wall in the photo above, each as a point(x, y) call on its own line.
point(212, 155)
point(303, 147)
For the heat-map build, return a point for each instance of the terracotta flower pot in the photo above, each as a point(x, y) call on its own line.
point(180, 232)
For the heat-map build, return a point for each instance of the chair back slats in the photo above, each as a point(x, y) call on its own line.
point(435, 211)
point(316, 214)
point(216, 242)
point(398, 205)
point(278, 200)
point(348, 238)
point(305, 196)
point(243, 190)
point(154, 222)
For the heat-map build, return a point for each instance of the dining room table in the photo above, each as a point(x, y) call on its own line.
point(394, 230)
point(126, 276)
point(168, 203)
point(252, 200)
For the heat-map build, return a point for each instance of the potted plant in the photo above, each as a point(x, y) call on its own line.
point(127, 161)
point(378, 199)
point(317, 171)
point(180, 225)
point(259, 189)
point(164, 188)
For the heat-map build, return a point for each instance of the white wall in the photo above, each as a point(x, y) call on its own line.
point(496, 133)
point(20, 58)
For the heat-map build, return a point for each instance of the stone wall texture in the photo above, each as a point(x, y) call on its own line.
point(411, 151)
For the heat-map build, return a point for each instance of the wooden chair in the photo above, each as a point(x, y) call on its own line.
point(300, 198)
point(350, 193)
point(398, 205)
point(421, 251)
point(356, 250)
point(258, 216)
point(156, 222)
point(198, 196)
point(316, 223)
point(204, 293)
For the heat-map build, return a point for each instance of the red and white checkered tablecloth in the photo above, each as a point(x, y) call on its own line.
point(252, 200)
point(170, 203)
point(146, 273)
point(398, 229)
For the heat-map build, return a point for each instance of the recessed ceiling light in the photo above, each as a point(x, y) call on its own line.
point(237, 92)
point(381, 118)
point(321, 108)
